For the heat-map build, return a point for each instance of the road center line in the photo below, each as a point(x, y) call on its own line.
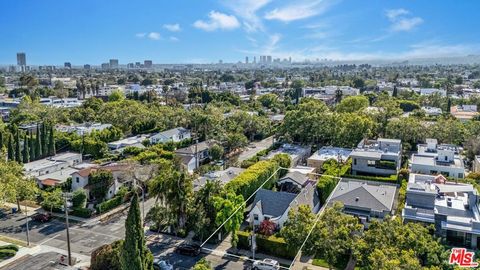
point(46, 240)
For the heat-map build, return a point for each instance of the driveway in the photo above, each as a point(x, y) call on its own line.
point(254, 148)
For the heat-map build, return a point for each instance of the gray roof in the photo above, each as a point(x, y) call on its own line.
point(172, 132)
point(223, 176)
point(273, 203)
point(190, 150)
point(366, 154)
point(360, 194)
point(296, 177)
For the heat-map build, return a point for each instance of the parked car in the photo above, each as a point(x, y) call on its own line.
point(161, 265)
point(266, 264)
point(188, 249)
point(42, 217)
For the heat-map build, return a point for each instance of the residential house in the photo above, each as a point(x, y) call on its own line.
point(136, 141)
point(297, 153)
point(434, 159)
point(80, 179)
point(366, 200)
point(223, 176)
point(377, 157)
point(293, 182)
point(274, 206)
point(325, 153)
point(52, 171)
point(464, 112)
point(432, 111)
point(82, 129)
point(451, 207)
point(193, 155)
point(171, 135)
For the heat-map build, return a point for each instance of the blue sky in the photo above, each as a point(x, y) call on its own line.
point(203, 31)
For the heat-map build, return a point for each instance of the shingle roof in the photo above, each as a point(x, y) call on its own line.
point(297, 177)
point(273, 203)
point(190, 150)
point(364, 195)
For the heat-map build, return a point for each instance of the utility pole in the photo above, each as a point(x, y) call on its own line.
point(26, 222)
point(196, 154)
point(68, 232)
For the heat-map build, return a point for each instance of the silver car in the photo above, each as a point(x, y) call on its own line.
point(161, 265)
point(266, 264)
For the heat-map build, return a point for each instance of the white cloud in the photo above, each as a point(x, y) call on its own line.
point(150, 35)
point(401, 20)
point(247, 11)
point(172, 38)
point(173, 27)
point(299, 10)
point(217, 20)
point(154, 35)
point(406, 24)
point(392, 14)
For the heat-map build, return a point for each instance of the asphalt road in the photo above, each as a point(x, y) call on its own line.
point(254, 148)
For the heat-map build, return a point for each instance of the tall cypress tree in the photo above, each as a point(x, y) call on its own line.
point(135, 255)
point(11, 152)
point(38, 144)
point(51, 142)
point(31, 142)
point(1, 140)
point(43, 140)
point(18, 152)
point(26, 150)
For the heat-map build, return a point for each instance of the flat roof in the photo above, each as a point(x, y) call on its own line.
point(326, 153)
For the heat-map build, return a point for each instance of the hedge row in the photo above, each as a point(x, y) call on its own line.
point(82, 212)
point(327, 182)
point(391, 179)
point(10, 246)
point(110, 204)
point(252, 178)
point(274, 246)
point(7, 253)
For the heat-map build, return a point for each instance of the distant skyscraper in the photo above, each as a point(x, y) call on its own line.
point(148, 64)
point(220, 61)
point(254, 59)
point(67, 65)
point(269, 59)
point(21, 59)
point(105, 65)
point(246, 59)
point(290, 59)
point(138, 65)
point(113, 63)
point(130, 65)
point(86, 66)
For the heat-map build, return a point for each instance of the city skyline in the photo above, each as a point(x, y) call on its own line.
point(205, 32)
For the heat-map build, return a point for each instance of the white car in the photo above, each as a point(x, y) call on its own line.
point(266, 264)
point(161, 265)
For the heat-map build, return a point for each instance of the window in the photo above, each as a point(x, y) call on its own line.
point(371, 162)
point(78, 179)
point(460, 175)
point(255, 217)
point(354, 161)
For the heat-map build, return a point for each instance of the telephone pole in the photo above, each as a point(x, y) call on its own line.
point(65, 195)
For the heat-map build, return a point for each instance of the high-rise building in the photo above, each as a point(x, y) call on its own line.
point(246, 59)
point(130, 65)
point(269, 59)
point(87, 66)
point(220, 61)
point(105, 65)
point(67, 65)
point(148, 63)
point(21, 59)
point(254, 59)
point(113, 63)
point(290, 59)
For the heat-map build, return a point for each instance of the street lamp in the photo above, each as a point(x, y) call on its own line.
point(65, 196)
point(143, 200)
point(26, 222)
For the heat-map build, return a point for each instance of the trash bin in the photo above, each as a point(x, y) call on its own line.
point(14, 210)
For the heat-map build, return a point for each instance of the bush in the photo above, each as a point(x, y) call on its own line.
point(252, 178)
point(284, 161)
point(11, 247)
point(79, 198)
point(110, 204)
point(82, 212)
point(7, 253)
point(107, 257)
point(331, 170)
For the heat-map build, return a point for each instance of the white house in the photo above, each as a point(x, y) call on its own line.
point(434, 159)
point(81, 177)
point(173, 135)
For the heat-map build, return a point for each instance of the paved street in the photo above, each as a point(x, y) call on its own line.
point(254, 148)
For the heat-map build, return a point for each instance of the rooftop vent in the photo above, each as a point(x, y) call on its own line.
point(449, 202)
point(357, 198)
